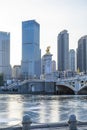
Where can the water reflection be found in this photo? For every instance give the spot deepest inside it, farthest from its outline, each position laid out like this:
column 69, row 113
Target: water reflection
column 14, row 110
column 42, row 109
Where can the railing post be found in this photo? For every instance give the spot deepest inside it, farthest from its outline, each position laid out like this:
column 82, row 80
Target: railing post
column 26, row 122
column 72, row 122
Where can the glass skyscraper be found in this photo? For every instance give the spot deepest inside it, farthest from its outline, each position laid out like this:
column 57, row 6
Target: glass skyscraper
column 31, row 53
column 5, row 67
column 72, row 60
column 63, row 51
column 82, row 54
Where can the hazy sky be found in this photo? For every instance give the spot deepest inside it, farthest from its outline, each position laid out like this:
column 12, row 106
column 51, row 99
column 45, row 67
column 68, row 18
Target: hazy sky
column 53, row 17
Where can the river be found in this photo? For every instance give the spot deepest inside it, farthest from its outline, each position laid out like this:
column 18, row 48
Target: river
column 41, row 108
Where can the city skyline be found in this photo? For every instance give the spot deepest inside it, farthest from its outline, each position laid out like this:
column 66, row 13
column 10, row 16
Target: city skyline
column 53, row 17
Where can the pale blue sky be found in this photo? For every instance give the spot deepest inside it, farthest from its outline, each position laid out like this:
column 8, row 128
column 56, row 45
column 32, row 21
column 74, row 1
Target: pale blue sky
column 53, row 17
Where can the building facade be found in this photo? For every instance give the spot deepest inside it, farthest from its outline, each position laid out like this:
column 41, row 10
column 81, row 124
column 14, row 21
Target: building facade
column 63, row 51
column 53, row 66
column 31, row 53
column 5, row 67
column 82, row 54
column 16, row 72
column 72, row 60
column 47, row 64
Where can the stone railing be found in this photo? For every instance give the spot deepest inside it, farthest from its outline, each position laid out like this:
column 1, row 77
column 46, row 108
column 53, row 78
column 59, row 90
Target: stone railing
column 26, row 124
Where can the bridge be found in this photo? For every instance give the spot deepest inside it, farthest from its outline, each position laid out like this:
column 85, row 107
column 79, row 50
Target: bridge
column 72, row 85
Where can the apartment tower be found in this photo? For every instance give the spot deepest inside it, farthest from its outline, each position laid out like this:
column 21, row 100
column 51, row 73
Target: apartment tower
column 82, row 54
column 63, row 51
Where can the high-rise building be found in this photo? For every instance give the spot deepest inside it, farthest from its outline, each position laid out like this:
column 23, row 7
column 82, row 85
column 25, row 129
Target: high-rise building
column 53, row 66
column 72, row 60
column 63, row 51
column 5, row 67
column 31, row 53
column 82, row 54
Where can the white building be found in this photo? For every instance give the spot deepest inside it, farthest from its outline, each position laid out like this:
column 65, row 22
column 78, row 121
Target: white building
column 47, row 62
column 16, row 71
column 5, row 68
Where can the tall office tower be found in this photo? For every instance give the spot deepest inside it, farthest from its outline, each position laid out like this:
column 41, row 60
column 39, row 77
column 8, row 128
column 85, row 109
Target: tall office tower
column 82, row 54
column 5, row 68
column 31, row 53
column 72, row 60
column 63, row 51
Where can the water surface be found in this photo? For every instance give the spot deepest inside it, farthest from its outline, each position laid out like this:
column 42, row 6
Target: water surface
column 41, row 108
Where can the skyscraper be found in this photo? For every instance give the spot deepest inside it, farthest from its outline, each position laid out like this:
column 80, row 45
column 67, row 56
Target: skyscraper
column 31, row 53
column 5, row 68
column 72, row 60
column 63, row 51
column 53, row 66
column 82, row 54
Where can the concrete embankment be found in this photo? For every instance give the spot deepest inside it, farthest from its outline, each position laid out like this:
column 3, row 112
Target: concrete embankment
column 31, row 87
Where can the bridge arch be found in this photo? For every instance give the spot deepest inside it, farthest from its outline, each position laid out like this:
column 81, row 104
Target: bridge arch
column 83, row 90
column 64, row 89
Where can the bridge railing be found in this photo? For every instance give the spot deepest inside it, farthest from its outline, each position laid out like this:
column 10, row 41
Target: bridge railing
column 71, row 124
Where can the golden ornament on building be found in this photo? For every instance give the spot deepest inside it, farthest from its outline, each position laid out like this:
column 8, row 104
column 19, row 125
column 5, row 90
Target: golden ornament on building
column 48, row 50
